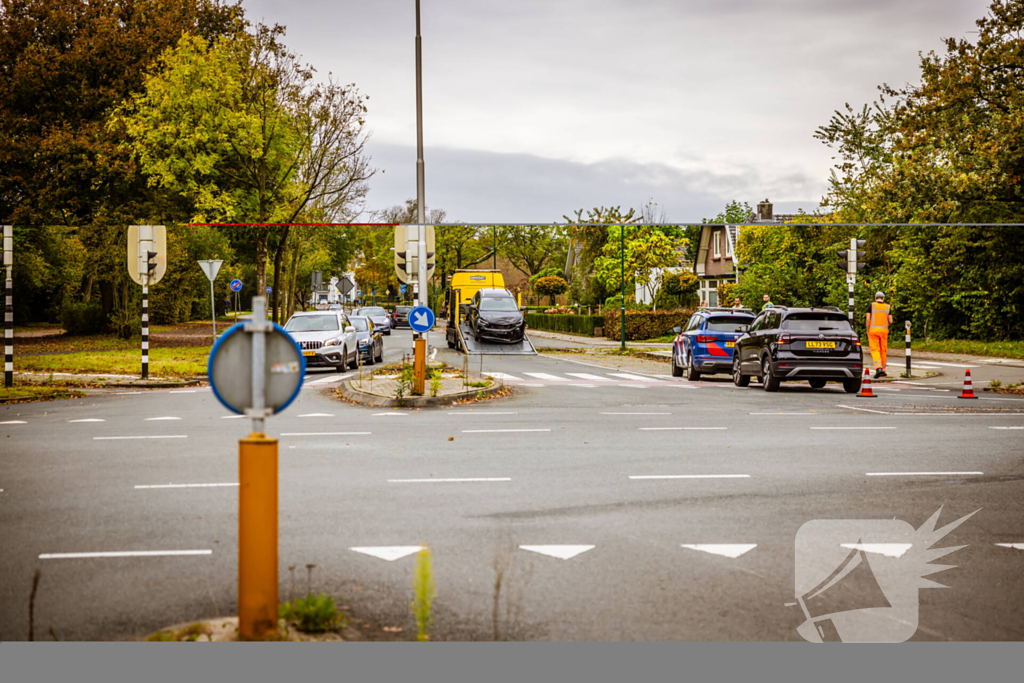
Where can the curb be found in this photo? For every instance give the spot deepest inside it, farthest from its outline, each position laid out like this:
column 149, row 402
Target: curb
column 109, row 382
column 368, row 399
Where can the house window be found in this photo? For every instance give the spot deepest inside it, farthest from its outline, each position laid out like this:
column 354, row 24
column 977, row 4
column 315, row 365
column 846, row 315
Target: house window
column 718, row 243
column 728, row 247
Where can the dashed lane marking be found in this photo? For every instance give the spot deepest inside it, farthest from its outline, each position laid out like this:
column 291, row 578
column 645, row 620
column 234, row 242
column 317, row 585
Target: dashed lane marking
column 128, row 438
column 730, row 550
column 453, row 480
column 159, row 419
column 232, row 417
column 922, row 474
column 673, row 429
column 833, row 428
column 784, row 413
column 325, row 433
column 184, row 486
column 483, row 412
column 690, row 476
column 130, row 393
column 130, row 553
column 317, row 415
column 14, row 422
column 88, row 419
column 636, row 413
column 562, row 552
column 1006, row 427
column 490, row 431
column 395, row 414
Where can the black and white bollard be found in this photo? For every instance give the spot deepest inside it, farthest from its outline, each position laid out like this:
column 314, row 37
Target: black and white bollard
column 908, row 348
column 849, row 283
column 9, row 307
column 145, row 332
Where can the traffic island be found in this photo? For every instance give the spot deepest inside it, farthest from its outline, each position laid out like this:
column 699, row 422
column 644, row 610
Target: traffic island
column 225, row 630
column 391, row 387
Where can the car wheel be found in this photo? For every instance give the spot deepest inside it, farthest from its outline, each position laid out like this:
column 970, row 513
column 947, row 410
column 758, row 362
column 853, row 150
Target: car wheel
column 354, row 363
column 370, row 359
column 691, row 372
column 676, row 370
column 738, row 378
column 380, row 353
column 851, row 386
column 768, row 378
column 817, row 383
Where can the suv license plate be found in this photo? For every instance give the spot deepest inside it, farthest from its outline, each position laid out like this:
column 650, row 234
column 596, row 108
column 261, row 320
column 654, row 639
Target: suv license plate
column 821, row 345
column 309, row 353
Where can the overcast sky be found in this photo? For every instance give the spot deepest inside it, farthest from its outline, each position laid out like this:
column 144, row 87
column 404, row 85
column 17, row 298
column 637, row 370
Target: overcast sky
column 535, row 108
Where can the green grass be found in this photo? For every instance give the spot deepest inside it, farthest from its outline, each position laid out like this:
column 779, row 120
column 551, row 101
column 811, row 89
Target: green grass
column 995, row 349
column 38, row 393
column 180, row 362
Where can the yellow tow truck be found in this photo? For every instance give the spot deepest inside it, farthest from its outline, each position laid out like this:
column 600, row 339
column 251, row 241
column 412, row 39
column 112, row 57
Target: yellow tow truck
column 462, row 288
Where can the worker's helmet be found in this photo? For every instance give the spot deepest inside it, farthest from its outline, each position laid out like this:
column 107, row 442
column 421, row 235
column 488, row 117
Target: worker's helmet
column 880, row 295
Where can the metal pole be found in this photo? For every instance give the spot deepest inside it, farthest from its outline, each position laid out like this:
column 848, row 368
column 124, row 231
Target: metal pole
column 622, row 283
column 421, row 211
column 908, row 348
column 145, row 327
column 849, row 284
column 213, row 313
column 9, row 307
column 259, row 355
column 495, row 261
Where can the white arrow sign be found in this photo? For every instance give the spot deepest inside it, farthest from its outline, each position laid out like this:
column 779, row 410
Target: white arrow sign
column 389, row 552
column 421, row 320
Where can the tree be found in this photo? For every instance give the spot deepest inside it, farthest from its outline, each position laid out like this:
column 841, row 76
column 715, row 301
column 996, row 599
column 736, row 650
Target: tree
column 532, row 248
column 648, row 251
column 243, row 133
column 550, row 286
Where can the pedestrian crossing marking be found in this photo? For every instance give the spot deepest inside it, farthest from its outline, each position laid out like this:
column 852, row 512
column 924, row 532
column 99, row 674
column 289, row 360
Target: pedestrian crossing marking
column 588, row 377
column 544, row 375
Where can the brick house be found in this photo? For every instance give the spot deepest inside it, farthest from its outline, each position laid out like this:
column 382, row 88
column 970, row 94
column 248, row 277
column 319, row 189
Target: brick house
column 716, row 255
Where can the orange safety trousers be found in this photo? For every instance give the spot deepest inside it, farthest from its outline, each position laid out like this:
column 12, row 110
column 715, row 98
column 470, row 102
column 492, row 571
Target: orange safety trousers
column 879, row 342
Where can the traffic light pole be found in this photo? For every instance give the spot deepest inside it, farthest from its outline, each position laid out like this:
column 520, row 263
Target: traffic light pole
column 9, row 307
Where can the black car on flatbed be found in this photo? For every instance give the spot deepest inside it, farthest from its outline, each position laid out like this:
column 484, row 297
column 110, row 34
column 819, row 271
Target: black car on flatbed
column 494, row 315
column 816, row 345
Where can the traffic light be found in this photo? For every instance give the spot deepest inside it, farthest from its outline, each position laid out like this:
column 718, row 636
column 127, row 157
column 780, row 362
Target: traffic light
column 147, row 253
column 853, row 259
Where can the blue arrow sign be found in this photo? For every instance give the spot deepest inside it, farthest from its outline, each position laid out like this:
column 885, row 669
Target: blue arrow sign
column 421, row 319
column 401, row 288
column 236, row 285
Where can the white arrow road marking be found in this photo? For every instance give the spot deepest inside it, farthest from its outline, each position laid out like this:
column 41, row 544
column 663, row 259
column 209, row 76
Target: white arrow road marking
column 389, row 552
column 918, row 474
column 14, row 422
column 1015, row 546
column 88, row 419
column 690, row 476
column 562, row 552
column 183, row 486
column 732, row 550
column 887, row 549
column 316, row 415
column 158, row 419
column 133, row 553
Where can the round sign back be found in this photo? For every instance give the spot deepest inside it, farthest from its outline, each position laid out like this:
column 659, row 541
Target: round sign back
column 230, row 369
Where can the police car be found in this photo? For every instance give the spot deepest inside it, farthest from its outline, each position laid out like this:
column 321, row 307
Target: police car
column 705, row 346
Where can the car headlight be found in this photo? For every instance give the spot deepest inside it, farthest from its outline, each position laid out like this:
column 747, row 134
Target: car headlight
column 364, row 342
column 331, row 342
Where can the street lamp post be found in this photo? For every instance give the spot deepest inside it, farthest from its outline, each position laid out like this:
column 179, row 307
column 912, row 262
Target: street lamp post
column 622, row 284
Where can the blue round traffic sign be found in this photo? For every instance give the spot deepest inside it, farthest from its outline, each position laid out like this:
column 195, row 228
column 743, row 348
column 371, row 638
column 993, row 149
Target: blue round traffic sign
column 269, row 290
column 421, row 319
column 236, row 285
column 229, row 369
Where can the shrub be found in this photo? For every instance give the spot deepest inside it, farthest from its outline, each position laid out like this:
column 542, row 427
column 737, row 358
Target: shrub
column 560, row 310
column 546, row 272
column 83, row 318
column 574, row 324
column 550, row 286
column 644, row 324
column 314, row 613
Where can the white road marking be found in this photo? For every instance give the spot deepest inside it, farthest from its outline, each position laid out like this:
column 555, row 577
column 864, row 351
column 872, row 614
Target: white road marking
column 635, row 378
column 158, row 419
column 329, row 380
column 130, row 393
column 636, row 413
column 690, row 476
column 546, row 376
column 587, row 376
column 887, row 549
column 182, row 486
column 501, row 375
column 585, row 386
column 88, row 419
column 489, row 431
column 525, row 384
column 395, row 414
column 389, row 552
column 1006, row 427
column 562, row 552
column 483, row 412
column 731, row 550
column 127, row 438
column 447, row 481
column 670, row 429
column 317, row 415
column 182, row 391
column 866, row 410
column 784, row 413
column 919, row 474
column 232, row 417
column 325, row 433
column 130, row 553
column 14, row 422
column 1014, row 546
column 819, row 428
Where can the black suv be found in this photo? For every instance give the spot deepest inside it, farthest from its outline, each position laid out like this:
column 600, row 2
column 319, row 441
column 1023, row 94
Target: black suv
column 400, row 318
column 495, row 315
column 793, row 344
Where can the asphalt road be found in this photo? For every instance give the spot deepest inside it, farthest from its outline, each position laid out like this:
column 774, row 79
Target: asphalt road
column 607, row 475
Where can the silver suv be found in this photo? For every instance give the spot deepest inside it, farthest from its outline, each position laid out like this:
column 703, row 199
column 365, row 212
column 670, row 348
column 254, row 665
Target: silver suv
column 327, row 338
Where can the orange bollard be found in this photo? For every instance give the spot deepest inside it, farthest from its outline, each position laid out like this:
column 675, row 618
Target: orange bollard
column 968, row 390
column 865, row 385
column 420, row 367
column 257, row 537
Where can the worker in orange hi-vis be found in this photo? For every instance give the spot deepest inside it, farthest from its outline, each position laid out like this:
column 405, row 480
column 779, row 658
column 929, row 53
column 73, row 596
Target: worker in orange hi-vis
column 878, row 321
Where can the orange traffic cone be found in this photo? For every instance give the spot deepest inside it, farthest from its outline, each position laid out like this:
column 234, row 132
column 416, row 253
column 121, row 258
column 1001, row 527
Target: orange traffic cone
column 865, row 385
column 968, row 391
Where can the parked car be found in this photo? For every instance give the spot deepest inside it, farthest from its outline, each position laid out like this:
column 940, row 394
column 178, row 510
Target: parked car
column 378, row 315
column 400, row 318
column 705, row 346
column 793, row 344
column 371, row 340
column 495, row 315
column 327, row 338
column 335, row 307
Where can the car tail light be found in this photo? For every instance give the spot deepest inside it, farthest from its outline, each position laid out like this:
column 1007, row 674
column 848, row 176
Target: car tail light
column 783, row 365
column 784, row 338
column 704, row 339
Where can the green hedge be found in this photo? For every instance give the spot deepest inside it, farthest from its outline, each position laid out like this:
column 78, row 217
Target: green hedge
column 83, row 318
column 644, row 324
column 574, row 324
